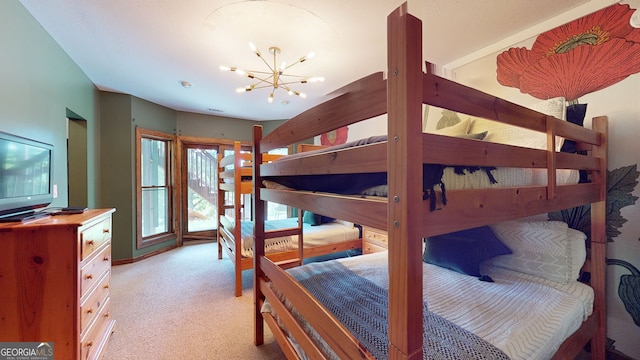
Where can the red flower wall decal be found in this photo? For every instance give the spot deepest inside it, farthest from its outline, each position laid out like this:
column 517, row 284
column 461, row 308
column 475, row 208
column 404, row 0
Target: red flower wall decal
column 580, row 57
column 335, row 137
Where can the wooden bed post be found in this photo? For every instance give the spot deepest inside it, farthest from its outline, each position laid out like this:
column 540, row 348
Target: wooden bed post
column 599, row 242
column 258, row 242
column 404, row 106
column 237, row 209
column 220, row 198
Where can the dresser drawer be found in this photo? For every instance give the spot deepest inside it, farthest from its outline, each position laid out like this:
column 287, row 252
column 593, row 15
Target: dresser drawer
column 91, row 306
column 375, row 236
column 91, row 272
column 368, row 248
column 93, row 341
column 92, row 237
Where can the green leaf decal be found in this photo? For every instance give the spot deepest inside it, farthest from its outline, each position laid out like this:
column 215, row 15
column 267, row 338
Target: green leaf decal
column 620, row 185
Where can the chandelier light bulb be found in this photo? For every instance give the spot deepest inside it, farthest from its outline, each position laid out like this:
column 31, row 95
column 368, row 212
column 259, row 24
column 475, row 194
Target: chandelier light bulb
column 270, row 98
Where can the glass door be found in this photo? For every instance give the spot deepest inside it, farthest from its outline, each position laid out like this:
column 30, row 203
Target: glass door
column 199, row 190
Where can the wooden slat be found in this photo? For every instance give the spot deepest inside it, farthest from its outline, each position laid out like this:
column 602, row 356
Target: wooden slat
column 286, row 347
column 572, row 346
column 341, row 341
column 271, row 234
column 453, row 96
column 460, row 152
column 290, row 324
column 472, row 208
column 368, row 159
column 348, row 208
column 366, row 99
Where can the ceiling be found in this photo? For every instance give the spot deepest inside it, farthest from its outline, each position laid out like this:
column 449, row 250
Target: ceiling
column 146, row 48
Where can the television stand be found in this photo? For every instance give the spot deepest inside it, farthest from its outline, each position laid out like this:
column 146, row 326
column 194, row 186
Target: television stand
column 25, row 218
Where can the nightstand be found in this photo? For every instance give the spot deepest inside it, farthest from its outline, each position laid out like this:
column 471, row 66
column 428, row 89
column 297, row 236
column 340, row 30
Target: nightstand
column 374, row 240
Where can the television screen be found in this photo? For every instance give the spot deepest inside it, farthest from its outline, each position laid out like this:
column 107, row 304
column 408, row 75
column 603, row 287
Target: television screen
column 25, row 174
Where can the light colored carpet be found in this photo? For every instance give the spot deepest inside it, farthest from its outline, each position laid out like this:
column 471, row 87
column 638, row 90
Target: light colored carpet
column 181, row 305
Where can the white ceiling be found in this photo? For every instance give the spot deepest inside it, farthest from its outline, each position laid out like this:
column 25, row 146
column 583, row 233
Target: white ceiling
column 146, row 48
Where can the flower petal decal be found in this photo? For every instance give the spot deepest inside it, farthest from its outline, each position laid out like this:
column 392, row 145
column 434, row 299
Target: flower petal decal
column 335, row 137
column 583, row 56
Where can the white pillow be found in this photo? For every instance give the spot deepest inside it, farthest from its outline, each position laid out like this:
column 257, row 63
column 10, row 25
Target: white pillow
column 547, row 249
column 461, row 128
column 514, row 135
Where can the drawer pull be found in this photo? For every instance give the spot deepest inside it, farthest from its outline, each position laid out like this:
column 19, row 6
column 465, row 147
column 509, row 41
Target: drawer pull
column 90, row 311
column 107, row 314
column 106, row 231
column 89, row 276
column 89, row 242
column 106, row 258
column 106, row 286
column 89, row 344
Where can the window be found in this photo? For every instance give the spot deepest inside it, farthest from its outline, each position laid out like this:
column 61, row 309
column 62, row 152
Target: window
column 154, row 191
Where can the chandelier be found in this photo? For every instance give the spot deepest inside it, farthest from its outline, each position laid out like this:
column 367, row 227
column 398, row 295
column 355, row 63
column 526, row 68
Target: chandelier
column 275, row 78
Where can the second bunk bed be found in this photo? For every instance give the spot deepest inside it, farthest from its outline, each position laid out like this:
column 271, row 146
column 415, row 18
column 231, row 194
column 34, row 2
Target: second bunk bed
column 322, row 235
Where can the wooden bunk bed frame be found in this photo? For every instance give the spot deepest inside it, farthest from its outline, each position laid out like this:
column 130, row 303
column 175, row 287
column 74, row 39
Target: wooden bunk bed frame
column 230, row 181
column 401, row 96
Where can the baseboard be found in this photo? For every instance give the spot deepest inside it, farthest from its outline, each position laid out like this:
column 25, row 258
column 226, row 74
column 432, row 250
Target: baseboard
column 142, row 257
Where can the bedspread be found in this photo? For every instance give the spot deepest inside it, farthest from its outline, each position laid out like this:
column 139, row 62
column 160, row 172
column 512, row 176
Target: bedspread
column 525, row 316
column 329, row 233
column 362, row 307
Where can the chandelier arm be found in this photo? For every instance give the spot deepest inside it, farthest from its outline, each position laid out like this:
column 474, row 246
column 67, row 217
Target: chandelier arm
column 295, row 76
column 290, row 65
column 292, row 82
column 257, row 72
column 266, row 80
column 269, row 66
column 262, row 86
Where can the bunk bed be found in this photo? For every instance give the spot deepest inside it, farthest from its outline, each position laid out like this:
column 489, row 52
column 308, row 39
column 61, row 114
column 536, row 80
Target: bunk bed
column 298, row 318
column 234, row 182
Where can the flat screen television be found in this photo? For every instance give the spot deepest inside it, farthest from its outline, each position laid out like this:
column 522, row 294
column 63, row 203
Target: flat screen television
column 26, row 182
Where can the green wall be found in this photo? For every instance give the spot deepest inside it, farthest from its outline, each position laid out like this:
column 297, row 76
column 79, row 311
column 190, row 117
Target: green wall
column 41, row 86
column 219, row 127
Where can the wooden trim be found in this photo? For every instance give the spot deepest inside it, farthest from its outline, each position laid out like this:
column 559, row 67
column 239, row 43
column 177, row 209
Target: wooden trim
column 172, row 181
column 145, row 256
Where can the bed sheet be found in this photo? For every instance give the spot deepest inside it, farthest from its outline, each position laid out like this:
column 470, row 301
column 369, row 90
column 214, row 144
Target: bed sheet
column 525, row 316
column 329, row 233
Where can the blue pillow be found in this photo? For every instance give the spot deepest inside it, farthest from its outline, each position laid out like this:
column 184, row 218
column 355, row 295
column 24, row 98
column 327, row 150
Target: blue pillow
column 463, row 251
column 314, row 219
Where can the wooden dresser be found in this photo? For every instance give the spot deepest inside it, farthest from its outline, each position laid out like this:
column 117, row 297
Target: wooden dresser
column 54, row 283
column 374, row 240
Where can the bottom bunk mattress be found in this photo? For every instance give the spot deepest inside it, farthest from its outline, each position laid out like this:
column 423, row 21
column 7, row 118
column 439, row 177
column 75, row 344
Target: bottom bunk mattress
column 327, row 233
column 523, row 316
